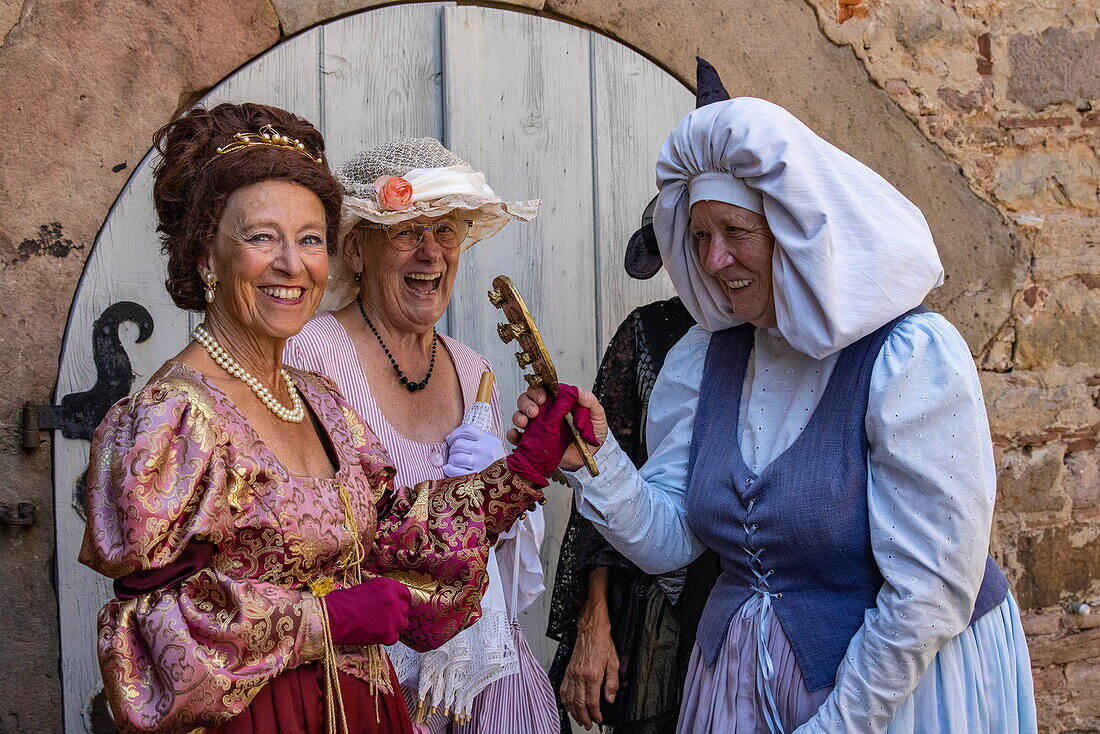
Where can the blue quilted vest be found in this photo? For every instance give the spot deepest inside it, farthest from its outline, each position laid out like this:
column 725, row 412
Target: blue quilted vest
column 799, row 531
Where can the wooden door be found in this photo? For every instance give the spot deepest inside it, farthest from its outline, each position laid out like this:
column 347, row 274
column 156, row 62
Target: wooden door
column 545, row 109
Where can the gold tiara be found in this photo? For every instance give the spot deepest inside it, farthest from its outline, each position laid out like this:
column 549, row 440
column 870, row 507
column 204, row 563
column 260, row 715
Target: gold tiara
column 267, row 136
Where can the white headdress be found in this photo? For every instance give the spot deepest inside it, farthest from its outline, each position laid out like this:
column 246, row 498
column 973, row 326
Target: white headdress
column 441, row 183
column 851, row 253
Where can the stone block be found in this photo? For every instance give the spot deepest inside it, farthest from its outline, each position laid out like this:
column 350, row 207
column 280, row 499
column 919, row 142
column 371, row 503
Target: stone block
column 1030, row 481
column 1051, row 701
column 1047, row 179
column 1050, row 333
column 1082, row 484
column 1044, row 623
column 1063, row 245
column 1032, row 407
column 985, row 55
column 9, row 16
column 1049, row 682
column 1089, row 621
column 1057, row 65
column 958, row 101
column 1068, row 649
column 897, row 87
column 1083, row 684
column 295, row 15
column 919, row 24
column 998, row 353
column 1015, row 123
column 1058, row 564
column 933, row 35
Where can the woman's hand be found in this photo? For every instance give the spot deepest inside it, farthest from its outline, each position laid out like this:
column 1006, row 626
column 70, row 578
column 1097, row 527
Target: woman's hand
column 471, row 450
column 594, row 666
column 588, row 410
column 374, row 612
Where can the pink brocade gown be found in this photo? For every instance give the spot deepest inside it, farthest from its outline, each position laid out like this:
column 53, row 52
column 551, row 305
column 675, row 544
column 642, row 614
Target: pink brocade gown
column 293, row 703
column 212, row 543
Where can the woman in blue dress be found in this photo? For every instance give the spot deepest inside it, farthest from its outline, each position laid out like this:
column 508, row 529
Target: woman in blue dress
column 826, row 435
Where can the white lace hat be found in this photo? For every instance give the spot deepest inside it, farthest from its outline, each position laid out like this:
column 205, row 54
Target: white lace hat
column 408, row 178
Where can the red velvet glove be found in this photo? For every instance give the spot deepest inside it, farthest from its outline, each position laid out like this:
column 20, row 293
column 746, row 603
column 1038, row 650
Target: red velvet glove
column 547, row 436
column 374, row 612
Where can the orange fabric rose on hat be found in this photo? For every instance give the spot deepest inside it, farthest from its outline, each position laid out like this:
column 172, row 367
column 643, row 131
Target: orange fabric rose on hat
column 394, row 192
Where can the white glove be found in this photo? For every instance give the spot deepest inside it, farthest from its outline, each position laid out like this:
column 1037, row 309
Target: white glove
column 471, row 450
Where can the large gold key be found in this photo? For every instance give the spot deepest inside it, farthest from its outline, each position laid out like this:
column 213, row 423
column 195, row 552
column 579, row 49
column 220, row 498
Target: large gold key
column 521, row 328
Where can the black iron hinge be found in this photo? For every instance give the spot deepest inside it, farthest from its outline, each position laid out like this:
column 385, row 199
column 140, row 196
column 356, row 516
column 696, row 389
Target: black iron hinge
column 80, row 413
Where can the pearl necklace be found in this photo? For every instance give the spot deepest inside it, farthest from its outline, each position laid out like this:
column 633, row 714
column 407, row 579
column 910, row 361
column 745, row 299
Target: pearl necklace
column 233, row 367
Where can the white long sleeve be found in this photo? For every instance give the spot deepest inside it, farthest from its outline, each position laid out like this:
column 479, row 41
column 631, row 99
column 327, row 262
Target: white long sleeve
column 931, row 488
column 642, row 513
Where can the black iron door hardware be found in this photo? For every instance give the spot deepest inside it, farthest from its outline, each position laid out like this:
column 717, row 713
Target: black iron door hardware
column 21, row 514
column 80, row 413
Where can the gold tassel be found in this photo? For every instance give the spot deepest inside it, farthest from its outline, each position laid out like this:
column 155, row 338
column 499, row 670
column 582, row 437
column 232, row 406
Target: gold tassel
column 378, row 670
column 353, row 561
column 334, row 700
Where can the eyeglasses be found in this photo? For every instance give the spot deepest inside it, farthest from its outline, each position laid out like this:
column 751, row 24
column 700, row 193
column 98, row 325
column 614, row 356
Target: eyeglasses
column 447, row 233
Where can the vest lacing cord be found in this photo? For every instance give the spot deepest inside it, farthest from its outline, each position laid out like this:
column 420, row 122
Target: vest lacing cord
column 765, row 669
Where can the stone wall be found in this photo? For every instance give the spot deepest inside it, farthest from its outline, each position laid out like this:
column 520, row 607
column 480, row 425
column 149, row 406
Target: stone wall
column 980, row 110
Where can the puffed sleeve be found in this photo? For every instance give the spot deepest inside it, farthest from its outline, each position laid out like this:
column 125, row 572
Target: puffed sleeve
column 435, row 537
column 643, row 513
column 931, row 487
column 188, row 646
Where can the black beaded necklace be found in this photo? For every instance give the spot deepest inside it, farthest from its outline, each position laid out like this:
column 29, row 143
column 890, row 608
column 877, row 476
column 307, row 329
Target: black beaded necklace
column 410, row 386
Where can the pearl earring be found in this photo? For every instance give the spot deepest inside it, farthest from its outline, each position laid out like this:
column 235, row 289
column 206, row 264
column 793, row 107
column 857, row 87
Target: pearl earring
column 210, row 286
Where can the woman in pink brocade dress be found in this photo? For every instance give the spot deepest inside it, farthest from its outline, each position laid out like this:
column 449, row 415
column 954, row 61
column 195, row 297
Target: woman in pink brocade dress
column 248, row 517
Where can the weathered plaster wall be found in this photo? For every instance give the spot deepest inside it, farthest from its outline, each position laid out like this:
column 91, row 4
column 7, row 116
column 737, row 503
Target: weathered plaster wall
column 920, row 90
column 84, row 85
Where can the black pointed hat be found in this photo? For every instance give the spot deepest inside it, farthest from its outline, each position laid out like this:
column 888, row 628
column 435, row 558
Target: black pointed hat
column 643, row 258
column 708, row 85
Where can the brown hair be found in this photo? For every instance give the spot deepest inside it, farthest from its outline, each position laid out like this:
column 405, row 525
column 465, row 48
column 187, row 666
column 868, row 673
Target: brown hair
column 191, row 182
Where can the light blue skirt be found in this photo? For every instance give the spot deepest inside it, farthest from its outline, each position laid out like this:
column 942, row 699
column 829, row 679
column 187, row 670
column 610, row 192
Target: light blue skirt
column 979, row 683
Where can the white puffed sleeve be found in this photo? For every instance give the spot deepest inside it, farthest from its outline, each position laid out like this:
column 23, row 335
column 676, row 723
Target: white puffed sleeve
column 931, row 486
column 643, row 513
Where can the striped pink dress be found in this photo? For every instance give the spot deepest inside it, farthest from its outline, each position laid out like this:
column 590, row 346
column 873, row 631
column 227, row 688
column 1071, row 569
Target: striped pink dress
column 518, row 703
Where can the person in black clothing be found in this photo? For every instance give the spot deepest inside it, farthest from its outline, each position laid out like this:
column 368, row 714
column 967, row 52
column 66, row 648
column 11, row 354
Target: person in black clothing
column 628, row 675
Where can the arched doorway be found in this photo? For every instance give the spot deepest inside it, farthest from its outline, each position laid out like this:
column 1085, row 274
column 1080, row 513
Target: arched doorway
column 546, row 109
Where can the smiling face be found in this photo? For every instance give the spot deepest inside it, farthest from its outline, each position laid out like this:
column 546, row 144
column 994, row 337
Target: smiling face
column 735, row 246
column 270, row 260
column 408, row 289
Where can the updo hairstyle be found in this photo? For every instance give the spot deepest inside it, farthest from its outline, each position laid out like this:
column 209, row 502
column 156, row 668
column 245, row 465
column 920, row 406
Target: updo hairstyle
column 191, row 183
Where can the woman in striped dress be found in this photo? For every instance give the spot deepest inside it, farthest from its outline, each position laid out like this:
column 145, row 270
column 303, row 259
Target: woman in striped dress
column 411, row 207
